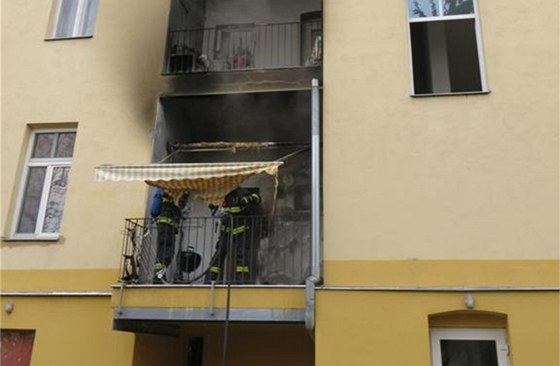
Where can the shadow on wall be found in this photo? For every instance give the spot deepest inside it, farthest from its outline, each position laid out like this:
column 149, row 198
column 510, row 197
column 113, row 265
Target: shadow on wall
column 137, row 54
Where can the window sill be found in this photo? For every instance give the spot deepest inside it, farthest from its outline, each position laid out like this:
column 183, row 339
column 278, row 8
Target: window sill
column 31, row 238
column 450, row 94
column 67, row 38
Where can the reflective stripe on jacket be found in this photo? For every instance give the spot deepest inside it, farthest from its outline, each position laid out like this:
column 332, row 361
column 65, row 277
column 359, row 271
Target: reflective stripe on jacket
column 236, row 230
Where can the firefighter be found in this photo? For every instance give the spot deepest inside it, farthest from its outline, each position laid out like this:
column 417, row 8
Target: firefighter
column 167, row 216
column 239, row 206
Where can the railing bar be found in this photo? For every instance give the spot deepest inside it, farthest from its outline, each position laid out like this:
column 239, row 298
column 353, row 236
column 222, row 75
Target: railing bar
column 284, row 48
column 182, row 56
column 275, row 45
column 279, row 46
column 270, row 60
column 187, row 244
column 204, row 232
column 139, row 252
column 291, row 60
column 272, row 45
column 255, row 240
column 242, row 60
column 287, row 43
column 204, row 44
column 194, row 245
column 264, row 51
column 283, row 258
column 124, row 246
column 293, row 44
column 284, row 41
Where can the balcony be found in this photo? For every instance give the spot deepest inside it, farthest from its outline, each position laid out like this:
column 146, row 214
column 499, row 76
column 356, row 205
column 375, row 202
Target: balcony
column 214, row 131
column 276, row 251
column 241, row 47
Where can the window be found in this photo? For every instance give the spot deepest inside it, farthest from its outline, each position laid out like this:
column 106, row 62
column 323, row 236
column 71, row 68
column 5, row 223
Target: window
column 469, row 347
column 446, row 47
column 72, row 19
column 45, row 179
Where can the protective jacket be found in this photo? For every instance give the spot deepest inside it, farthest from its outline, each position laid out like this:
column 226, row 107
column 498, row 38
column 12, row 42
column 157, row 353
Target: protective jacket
column 240, row 202
column 164, row 209
column 239, row 205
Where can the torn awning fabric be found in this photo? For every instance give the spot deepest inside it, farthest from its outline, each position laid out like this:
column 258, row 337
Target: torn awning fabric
column 210, row 181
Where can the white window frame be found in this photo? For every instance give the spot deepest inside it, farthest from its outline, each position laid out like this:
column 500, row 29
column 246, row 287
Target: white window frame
column 50, row 164
column 479, row 46
column 476, row 334
column 80, row 20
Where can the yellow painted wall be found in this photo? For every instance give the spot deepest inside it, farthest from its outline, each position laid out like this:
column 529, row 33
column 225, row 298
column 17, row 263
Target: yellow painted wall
column 70, row 330
column 108, row 85
column 389, row 328
column 482, row 273
column 58, row 280
column 456, row 177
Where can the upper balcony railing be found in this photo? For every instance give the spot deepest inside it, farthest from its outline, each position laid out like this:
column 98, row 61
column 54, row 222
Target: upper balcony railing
column 275, row 252
column 244, row 47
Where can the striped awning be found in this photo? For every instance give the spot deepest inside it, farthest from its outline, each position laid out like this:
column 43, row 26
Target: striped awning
column 210, row 181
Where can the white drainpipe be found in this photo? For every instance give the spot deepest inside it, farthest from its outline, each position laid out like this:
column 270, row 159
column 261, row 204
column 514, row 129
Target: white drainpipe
column 316, row 254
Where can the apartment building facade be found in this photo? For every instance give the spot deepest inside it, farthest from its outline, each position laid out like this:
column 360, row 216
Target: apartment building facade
column 405, row 154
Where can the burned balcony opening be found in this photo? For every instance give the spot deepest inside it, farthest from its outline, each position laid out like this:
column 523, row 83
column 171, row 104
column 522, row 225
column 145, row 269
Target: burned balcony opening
column 280, row 118
column 238, row 35
column 246, row 128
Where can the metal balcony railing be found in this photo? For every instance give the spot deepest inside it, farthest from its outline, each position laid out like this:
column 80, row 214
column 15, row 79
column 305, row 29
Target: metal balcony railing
column 244, row 47
column 274, row 251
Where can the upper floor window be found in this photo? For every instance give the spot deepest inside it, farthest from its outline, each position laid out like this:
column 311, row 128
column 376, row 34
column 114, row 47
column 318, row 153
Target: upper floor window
column 45, row 179
column 446, row 47
column 72, row 19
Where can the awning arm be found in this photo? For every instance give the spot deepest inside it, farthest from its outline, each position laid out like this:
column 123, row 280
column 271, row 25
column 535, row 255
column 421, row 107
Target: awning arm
column 286, row 157
column 168, row 156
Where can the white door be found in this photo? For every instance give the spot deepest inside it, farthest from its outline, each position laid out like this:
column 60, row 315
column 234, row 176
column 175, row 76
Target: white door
column 469, row 347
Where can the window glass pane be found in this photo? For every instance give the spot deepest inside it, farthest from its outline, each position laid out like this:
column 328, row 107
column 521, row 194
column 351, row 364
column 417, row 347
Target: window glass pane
column 445, row 57
column 65, row 145
column 55, row 204
column 462, row 56
column 456, row 7
column 423, row 8
column 31, row 200
column 89, row 16
column 66, row 18
column 43, row 145
column 468, row 353
column 72, row 18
